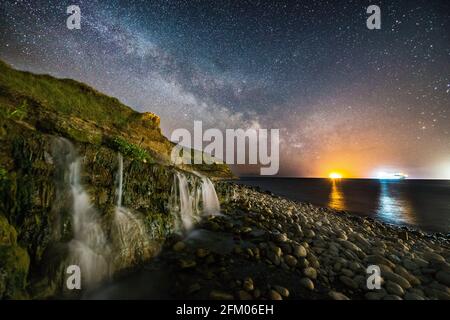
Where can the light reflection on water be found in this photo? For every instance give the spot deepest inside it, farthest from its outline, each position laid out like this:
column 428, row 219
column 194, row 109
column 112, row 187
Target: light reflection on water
column 337, row 200
column 419, row 203
column 393, row 206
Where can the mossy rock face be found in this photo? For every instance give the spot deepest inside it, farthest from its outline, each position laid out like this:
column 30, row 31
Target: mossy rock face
column 36, row 200
column 14, row 265
column 159, row 225
column 8, row 235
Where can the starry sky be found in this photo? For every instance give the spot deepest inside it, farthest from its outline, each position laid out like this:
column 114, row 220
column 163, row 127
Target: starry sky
column 344, row 97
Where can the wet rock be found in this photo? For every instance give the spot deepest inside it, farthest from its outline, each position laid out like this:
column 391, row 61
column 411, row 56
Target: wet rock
column 410, row 265
column 243, row 295
column 436, row 293
column 290, row 260
column 347, row 272
column 348, row 282
column 310, row 273
column 403, row 235
column 277, row 251
column 302, row 263
column 299, row 251
column 298, row 229
column 194, row 288
column 185, row 264
column 256, row 253
column 246, row 230
column 286, row 248
column 413, row 280
column 309, row 233
column 421, row 262
column 248, row 284
column 417, row 291
column 375, row 295
column 392, row 297
column 341, row 235
column 313, row 261
column 214, row 226
column 249, row 252
column 334, row 295
column 220, row 295
column 443, row 277
column 377, row 260
column 350, row 245
column 402, row 282
column 179, row 246
column 337, row 266
column 394, row 288
column 210, row 259
column 201, row 253
column 273, row 295
column 361, row 240
column 274, row 258
column 354, row 266
column 281, row 237
column 307, row 283
column 431, row 256
column 413, row 296
column 281, row 290
column 438, row 286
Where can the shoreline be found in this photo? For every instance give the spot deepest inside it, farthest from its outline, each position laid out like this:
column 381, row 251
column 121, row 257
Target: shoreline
column 267, row 247
column 367, row 215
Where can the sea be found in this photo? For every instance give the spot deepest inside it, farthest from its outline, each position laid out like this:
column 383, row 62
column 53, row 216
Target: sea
column 420, row 204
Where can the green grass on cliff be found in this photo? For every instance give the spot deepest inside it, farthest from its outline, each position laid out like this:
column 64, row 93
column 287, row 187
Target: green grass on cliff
column 130, row 150
column 65, row 96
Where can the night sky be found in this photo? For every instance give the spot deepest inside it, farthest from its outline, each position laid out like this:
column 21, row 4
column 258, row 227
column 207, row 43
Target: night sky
column 345, row 98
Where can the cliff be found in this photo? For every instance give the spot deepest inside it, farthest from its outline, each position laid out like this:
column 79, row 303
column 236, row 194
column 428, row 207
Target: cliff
column 61, row 148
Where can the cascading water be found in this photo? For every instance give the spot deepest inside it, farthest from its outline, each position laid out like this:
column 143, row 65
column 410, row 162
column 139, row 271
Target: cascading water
column 185, row 203
column 211, row 205
column 88, row 249
column 130, row 235
column 119, row 189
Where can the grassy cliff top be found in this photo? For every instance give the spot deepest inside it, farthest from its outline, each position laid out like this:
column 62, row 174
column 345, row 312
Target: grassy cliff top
column 81, row 113
column 65, row 96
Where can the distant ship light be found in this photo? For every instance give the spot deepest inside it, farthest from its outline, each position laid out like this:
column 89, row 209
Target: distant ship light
column 391, row 176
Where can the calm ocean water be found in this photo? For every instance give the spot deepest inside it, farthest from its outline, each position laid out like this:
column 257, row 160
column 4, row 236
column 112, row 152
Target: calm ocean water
column 422, row 204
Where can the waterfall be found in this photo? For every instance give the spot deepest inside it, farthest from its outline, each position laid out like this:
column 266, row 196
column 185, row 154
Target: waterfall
column 182, row 203
column 211, row 204
column 88, row 249
column 129, row 233
column 120, row 184
column 210, row 201
column 185, row 203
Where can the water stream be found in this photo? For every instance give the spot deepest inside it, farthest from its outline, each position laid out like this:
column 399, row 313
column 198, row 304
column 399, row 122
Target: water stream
column 88, row 249
column 129, row 234
column 189, row 203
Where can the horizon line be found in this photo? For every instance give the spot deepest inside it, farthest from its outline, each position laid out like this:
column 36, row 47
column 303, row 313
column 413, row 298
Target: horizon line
column 344, row 178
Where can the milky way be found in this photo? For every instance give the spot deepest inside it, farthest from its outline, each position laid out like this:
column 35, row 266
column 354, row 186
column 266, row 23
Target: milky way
column 344, row 97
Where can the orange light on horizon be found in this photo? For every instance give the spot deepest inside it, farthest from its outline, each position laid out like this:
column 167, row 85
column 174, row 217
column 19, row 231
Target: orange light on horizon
column 335, row 175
